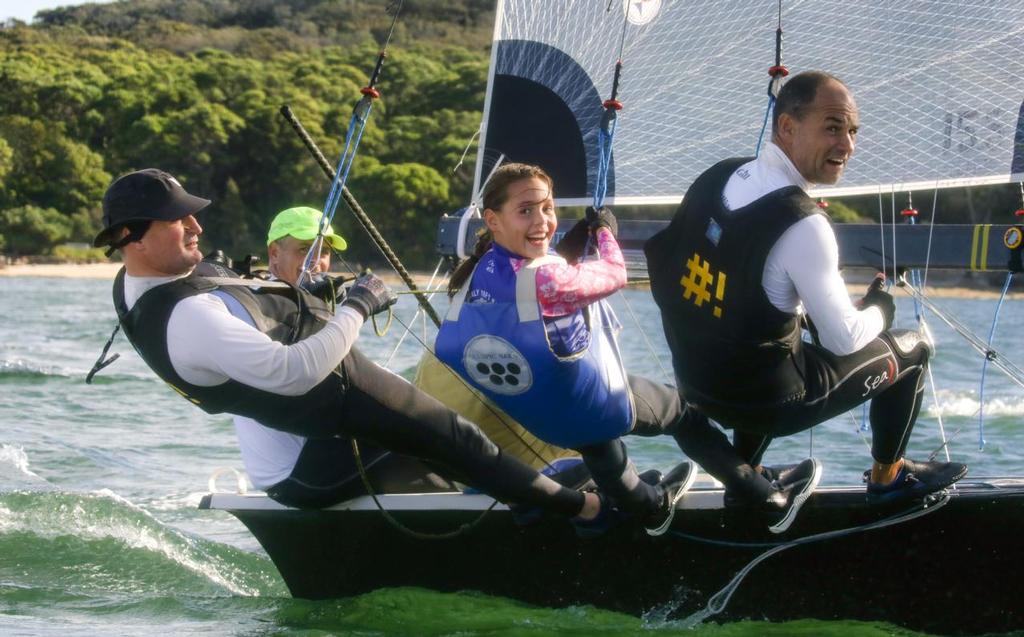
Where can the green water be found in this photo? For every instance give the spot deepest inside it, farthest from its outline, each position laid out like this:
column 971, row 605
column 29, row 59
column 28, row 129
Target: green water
column 99, row 485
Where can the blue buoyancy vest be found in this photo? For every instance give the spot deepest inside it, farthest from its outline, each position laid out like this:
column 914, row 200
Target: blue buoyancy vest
column 500, row 345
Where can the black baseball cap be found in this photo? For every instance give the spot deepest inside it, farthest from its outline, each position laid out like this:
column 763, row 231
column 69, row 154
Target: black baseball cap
column 144, row 195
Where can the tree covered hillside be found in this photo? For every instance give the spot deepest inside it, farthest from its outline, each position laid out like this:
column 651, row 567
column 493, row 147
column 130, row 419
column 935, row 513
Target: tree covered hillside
column 90, row 92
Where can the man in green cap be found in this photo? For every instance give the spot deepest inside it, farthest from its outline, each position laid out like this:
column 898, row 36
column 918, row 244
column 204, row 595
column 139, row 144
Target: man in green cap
column 291, row 234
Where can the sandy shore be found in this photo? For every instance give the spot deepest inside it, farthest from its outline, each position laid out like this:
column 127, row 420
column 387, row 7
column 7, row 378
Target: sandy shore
column 108, row 270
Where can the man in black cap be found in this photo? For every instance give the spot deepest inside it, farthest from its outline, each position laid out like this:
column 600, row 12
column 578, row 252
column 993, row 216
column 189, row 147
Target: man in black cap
column 272, row 352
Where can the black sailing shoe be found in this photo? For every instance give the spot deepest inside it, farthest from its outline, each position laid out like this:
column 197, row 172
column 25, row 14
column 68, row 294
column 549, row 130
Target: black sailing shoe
column 792, row 485
column 915, row 480
column 651, row 476
column 675, row 484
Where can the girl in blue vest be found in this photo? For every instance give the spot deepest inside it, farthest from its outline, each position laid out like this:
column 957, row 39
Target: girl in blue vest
column 532, row 332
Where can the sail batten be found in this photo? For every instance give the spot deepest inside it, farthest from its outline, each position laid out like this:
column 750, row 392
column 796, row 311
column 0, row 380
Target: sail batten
column 939, row 83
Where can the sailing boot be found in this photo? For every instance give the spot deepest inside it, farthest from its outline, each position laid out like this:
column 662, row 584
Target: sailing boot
column 791, row 485
column 674, row 486
column 915, row 480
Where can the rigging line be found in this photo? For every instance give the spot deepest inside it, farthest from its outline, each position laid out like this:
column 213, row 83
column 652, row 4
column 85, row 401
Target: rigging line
column 886, row 521
column 465, row 151
column 892, row 202
column 647, row 341
column 398, row 526
column 918, row 281
column 881, row 226
column 1012, row 372
column 860, row 429
column 606, row 128
column 353, row 136
column 360, row 214
column 419, row 310
column 488, row 407
column 984, row 364
column 938, row 417
column 777, row 72
column 483, row 402
column 945, row 445
column 931, row 231
column 717, row 602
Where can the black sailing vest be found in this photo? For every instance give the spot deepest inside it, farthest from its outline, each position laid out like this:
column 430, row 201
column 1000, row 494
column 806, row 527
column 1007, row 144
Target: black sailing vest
column 285, row 314
column 730, row 345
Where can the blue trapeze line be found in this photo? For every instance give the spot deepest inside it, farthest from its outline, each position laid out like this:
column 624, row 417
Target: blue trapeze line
column 764, row 124
column 604, row 160
column 984, row 364
column 353, row 136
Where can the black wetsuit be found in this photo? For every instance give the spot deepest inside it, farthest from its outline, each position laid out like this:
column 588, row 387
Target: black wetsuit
column 741, row 360
column 659, row 411
column 358, row 399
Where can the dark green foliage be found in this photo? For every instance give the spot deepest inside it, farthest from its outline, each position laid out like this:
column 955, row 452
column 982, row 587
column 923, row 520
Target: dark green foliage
column 90, row 92
column 32, row 230
column 194, row 86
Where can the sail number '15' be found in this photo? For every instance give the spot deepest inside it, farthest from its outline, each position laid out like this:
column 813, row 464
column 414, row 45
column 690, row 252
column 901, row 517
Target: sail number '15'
column 971, row 128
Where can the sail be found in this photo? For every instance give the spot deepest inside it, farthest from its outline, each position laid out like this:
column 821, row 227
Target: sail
column 939, row 84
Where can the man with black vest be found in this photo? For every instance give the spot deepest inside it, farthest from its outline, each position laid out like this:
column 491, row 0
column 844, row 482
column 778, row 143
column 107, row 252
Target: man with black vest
column 293, row 366
column 746, row 257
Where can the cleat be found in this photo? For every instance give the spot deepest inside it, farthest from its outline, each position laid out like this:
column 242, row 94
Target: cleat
column 675, row 484
column 915, row 480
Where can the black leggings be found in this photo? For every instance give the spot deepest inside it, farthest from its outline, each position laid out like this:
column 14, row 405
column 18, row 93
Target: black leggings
column 889, row 371
column 385, row 410
column 658, row 412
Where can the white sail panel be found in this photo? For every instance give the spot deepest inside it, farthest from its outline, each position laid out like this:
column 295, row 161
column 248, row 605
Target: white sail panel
column 939, row 83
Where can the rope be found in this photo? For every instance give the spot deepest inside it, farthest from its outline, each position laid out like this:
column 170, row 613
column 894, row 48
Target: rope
column 431, row 291
column 777, row 72
column 1012, row 372
column 643, row 333
column 360, row 215
column 984, row 364
column 417, row 535
column 353, row 135
column 918, row 279
column 606, row 131
column 717, row 602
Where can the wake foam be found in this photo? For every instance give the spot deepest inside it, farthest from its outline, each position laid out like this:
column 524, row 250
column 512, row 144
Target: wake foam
column 111, row 544
column 966, row 404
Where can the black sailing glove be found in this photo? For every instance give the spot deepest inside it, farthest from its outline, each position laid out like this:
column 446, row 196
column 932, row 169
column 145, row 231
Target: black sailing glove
column 881, row 299
column 369, row 295
column 602, row 218
column 574, row 242
column 327, row 288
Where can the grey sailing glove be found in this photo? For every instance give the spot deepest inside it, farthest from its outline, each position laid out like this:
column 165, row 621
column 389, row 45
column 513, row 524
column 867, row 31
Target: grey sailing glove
column 369, row 295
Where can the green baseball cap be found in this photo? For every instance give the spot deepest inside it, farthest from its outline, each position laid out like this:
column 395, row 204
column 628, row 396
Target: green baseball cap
column 302, row 223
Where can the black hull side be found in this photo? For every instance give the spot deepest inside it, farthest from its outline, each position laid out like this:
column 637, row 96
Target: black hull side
column 953, row 570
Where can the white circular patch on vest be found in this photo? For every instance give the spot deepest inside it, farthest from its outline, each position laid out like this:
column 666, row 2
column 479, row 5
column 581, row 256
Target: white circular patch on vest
column 496, row 365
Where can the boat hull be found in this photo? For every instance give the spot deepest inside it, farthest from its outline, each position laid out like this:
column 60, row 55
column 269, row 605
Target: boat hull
column 950, row 570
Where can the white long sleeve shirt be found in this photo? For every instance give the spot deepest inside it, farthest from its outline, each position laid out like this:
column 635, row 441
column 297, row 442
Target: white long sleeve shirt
column 801, row 272
column 208, row 346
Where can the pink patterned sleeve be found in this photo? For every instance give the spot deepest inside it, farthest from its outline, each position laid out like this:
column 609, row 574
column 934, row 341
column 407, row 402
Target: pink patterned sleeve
column 562, row 288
